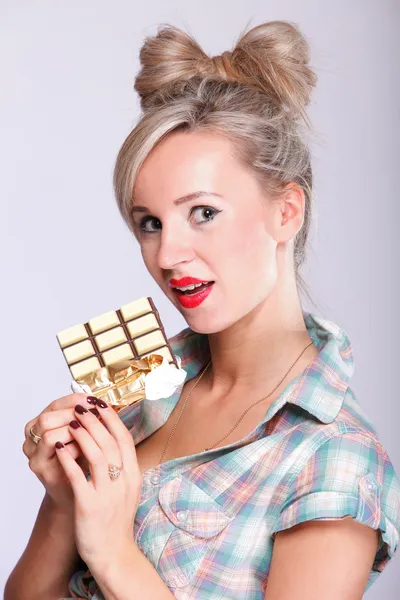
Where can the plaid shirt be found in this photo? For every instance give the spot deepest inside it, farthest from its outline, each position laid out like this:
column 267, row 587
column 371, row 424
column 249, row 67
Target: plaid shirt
column 207, row 521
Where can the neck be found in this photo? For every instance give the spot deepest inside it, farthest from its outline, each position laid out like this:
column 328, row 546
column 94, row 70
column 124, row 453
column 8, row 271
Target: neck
column 260, row 348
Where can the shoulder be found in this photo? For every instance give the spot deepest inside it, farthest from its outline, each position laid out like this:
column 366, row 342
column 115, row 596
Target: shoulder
column 335, row 558
column 349, row 474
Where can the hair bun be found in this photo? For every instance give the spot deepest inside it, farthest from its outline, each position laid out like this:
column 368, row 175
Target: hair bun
column 165, row 58
column 275, row 56
column 272, row 57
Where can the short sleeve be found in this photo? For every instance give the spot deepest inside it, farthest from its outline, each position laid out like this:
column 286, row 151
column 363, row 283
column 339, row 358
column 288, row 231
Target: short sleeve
column 82, row 586
column 76, row 588
column 348, row 475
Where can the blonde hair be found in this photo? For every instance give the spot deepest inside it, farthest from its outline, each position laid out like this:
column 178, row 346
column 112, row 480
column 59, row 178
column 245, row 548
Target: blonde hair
column 255, row 95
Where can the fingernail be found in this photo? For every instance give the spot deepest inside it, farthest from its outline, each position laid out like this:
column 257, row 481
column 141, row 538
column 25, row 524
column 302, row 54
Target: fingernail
column 91, row 399
column 59, row 445
column 80, row 409
column 101, row 403
column 74, row 424
column 94, row 411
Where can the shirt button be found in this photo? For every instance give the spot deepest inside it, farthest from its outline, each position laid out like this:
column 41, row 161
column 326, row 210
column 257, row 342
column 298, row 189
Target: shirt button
column 182, row 515
column 370, row 487
column 155, row 479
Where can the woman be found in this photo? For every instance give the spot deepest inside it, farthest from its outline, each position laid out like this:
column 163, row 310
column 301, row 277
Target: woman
column 262, row 477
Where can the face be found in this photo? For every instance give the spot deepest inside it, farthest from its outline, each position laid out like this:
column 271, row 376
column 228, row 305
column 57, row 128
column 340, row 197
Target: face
column 223, row 233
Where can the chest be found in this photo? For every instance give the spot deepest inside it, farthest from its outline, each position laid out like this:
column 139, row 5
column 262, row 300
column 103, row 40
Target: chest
column 186, row 532
column 208, row 422
column 202, row 425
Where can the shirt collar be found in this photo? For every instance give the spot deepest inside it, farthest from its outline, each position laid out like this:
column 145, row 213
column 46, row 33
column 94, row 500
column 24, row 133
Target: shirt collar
column 319, row 389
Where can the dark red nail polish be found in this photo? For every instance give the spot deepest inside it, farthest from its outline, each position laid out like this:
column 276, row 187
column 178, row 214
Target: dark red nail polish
column 80, row 409
column 101, row 403
column 92, row 399
column 94, row 411
column 74, row 424
column 59, row 445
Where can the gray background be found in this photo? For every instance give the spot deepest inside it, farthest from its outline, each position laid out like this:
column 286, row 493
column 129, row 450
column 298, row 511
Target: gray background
column 66, row 105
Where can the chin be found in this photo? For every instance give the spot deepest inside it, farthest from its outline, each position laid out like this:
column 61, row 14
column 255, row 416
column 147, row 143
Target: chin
column 212, row 320
column 207, row 324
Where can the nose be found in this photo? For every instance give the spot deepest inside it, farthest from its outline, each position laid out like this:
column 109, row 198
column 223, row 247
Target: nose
column 175, row 248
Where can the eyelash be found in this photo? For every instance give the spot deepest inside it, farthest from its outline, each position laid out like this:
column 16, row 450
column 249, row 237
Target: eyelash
column 143, row 222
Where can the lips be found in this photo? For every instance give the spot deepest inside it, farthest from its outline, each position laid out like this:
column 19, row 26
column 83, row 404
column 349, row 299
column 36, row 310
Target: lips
column 173, row 283
column 194, row 299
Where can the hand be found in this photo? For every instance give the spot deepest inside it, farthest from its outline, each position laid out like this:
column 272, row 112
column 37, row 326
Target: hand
column 52, row 425
column 105, row 508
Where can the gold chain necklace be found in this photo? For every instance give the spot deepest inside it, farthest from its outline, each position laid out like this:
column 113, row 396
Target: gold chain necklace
column 247, row 409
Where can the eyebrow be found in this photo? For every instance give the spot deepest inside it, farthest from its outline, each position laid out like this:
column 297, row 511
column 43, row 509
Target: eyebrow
column 187, row 198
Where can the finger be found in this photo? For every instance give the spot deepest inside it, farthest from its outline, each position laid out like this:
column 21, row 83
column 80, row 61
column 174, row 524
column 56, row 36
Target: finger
column 99, row 432
column 65, row 402
column 97, row 459
column 50, row 420
column 28, row 426
column 43, row 469
column 76, row 477
column 121, row 435
column 52, row 426
column 68, row 401
column 45, row 447
column 43, row 451
column 41, row 457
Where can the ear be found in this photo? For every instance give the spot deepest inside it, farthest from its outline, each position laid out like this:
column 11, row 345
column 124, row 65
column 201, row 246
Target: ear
column 288, row 212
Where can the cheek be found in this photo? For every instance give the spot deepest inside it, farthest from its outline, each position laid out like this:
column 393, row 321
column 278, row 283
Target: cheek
column 146, row 256
column 150, row 261
column 250, row 251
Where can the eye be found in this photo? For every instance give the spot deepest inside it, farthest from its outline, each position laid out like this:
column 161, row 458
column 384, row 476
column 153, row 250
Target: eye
column 208, row 212
column 147, row 223
column 143, row 222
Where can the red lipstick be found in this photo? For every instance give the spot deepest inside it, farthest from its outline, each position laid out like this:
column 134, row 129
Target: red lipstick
column 193, row 298
column 184, row 282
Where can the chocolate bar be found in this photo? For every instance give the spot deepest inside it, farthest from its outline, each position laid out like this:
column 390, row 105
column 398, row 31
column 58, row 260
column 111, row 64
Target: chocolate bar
column 133, row 331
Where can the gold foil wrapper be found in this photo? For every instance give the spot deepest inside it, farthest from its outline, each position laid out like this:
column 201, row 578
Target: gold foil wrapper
column 122, row 383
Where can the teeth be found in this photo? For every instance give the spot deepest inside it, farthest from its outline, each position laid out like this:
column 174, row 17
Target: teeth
column 189, row 287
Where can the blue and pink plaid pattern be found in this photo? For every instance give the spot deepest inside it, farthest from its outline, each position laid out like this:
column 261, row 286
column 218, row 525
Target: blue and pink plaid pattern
column 207, row 522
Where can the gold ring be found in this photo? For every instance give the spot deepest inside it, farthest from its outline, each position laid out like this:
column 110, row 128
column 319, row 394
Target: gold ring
column 35, row 438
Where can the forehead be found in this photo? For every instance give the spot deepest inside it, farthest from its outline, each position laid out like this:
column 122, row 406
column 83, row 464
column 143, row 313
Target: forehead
column 184, row 162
